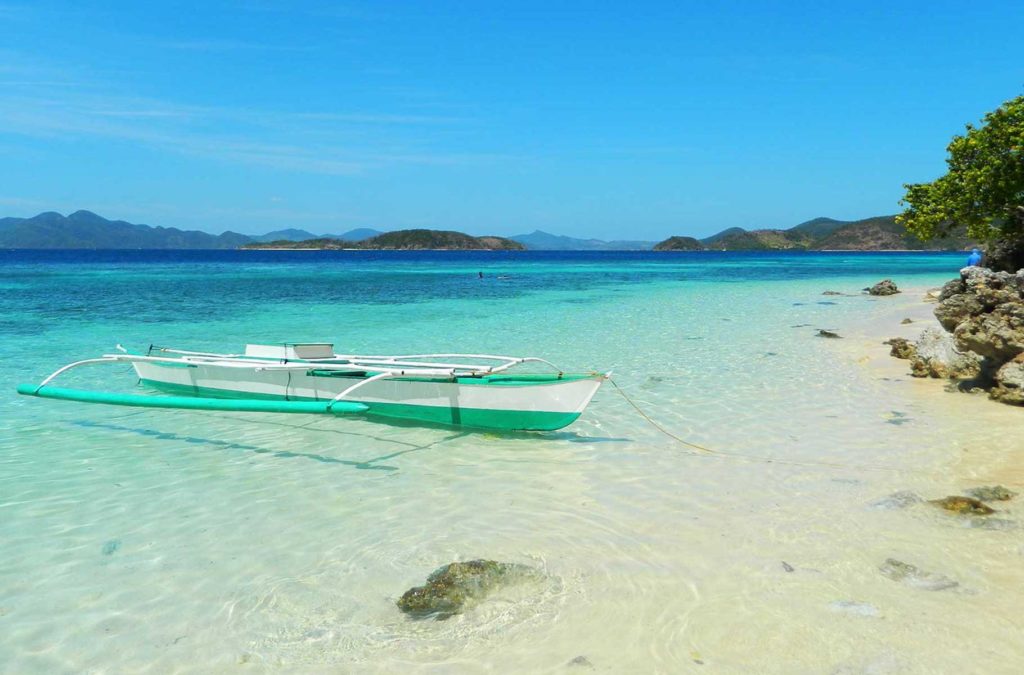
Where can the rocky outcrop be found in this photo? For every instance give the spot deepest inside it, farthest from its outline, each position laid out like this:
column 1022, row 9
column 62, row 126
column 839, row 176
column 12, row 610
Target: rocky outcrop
column 1009, row 387
column 984, row 311
column 884, row 287
column 1006, row 253
column 935, row 355
column 451, row 587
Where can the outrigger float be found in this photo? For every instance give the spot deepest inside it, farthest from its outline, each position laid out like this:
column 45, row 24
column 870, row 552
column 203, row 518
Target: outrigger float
column 461, row 390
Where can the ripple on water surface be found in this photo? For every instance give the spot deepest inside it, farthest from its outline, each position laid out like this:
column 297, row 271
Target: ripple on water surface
column 156, row 541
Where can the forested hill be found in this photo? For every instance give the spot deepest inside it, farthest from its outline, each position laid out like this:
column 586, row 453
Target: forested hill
column 403, row 240
column 85, row 229
column 881, row 233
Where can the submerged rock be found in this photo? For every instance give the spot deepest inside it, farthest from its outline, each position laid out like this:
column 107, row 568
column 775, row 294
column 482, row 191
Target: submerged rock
column 831, row 293
column 963, row 505
column 991, row 493
column 989, row 523
column 906, row 321
column 910, row 575
column 898, row 500
column 828, row 334
column 581, row 661
column 853, row 607
column 902, row 348
column 450, row 587
column 936, row 355
column 884, row 287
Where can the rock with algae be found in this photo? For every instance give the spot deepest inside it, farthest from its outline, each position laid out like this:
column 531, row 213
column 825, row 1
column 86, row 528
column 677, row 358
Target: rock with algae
column 902, row 348
column 884, row 287
column 963, row 505
column 451, row 587
column 991, row 493
column 911, row 575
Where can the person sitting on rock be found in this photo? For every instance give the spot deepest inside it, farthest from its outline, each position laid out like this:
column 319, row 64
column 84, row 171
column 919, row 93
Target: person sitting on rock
column 974, row 260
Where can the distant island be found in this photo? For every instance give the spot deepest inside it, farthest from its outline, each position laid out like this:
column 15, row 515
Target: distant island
column 402, row 240
column 87, row 230
column 543, row 241
column 679, row 244
column 881, row 233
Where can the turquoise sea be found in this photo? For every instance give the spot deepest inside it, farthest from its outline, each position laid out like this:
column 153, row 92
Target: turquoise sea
column 174, row 541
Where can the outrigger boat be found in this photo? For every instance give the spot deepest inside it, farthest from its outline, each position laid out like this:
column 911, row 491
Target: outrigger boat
column 462, row 390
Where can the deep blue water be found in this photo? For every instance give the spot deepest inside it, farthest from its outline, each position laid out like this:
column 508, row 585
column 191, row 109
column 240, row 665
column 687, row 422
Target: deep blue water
column 149, row 286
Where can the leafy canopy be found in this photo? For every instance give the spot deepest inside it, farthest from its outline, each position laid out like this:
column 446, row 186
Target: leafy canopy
column 984, row 187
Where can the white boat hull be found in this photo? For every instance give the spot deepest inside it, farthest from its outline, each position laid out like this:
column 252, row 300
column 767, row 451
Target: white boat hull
column 511, row 402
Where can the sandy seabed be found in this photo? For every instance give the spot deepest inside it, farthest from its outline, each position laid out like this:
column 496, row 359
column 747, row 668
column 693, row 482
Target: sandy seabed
column 172, row 542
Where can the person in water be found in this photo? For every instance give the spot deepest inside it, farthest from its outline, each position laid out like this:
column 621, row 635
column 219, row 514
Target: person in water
column 974, row 260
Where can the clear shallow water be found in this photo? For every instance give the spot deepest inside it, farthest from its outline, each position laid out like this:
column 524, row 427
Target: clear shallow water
column 173, row 541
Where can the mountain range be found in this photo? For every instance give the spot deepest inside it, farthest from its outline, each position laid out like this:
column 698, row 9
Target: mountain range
column 84, row 229
column 880, row 233
column 291, row 234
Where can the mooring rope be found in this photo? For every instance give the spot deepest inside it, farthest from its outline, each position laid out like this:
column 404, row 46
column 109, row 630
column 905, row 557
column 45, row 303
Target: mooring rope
column 625, row 396
column 705, row 451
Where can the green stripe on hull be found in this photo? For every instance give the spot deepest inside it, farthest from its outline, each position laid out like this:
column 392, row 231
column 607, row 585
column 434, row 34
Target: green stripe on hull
column 478, row 418
column 190, row 402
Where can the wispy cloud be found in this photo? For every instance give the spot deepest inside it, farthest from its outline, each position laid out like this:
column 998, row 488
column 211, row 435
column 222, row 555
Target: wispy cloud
column 314, row 142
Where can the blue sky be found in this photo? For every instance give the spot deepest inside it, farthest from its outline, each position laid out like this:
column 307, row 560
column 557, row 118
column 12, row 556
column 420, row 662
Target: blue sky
column 614, row 120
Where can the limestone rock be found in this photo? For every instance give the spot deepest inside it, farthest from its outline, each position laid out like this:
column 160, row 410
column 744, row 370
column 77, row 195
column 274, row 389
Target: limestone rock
column 1009, row 386
column 992, row 493
column 1006, row 253
column 884, row 287
column 907, row 321
column 997, row 333
column 828, row 334
column 451, row 587
column 963, row 505
column 984, row 310
column 935, row 355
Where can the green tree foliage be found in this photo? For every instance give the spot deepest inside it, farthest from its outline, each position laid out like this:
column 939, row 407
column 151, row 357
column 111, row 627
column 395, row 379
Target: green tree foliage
column 984, row 187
